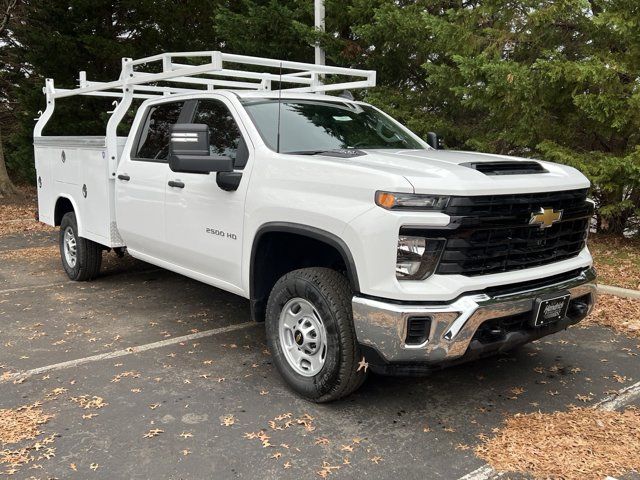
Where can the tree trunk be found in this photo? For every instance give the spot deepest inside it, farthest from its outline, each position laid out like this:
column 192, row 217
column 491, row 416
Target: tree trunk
column 617, row 223
column 7, row 189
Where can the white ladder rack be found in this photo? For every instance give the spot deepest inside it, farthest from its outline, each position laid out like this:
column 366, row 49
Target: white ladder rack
column 214, row 73
column 139, row 79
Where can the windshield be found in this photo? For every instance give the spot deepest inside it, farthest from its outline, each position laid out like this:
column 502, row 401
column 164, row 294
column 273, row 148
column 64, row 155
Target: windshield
column 308, row 126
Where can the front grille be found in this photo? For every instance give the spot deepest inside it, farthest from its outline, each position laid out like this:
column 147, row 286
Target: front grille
column 518, row 207
column 502, row 290
column 492, row 234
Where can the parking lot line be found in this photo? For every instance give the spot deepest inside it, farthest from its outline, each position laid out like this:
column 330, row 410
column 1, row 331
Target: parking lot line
column 483, row 473
column 59, row 284
column 33, row 287
column 613, row 402
column 126, row 351
column 620, row 399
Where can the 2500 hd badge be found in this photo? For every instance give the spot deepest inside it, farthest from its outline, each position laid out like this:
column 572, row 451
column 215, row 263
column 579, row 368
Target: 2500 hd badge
column 221, row 233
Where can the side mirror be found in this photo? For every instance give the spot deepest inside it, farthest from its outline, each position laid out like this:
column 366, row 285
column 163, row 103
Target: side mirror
column 229, row 181
column 189, row 150
column 435, row 141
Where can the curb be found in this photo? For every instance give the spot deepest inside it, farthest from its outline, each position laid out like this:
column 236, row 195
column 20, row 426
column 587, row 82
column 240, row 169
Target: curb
column 619, row 292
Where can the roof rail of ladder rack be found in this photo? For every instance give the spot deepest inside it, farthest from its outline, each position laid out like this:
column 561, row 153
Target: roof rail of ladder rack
column 202, row 71
column 174, row 73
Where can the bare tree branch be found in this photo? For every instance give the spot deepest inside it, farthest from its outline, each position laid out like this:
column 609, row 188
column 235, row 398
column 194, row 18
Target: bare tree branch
column 6, row 16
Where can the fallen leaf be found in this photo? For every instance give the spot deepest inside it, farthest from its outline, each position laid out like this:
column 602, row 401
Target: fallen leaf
column 227, row 420
column 153, row 433
column 362, row 364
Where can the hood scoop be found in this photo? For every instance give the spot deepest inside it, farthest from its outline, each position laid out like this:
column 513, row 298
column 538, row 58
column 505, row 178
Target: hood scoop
column 506, row 167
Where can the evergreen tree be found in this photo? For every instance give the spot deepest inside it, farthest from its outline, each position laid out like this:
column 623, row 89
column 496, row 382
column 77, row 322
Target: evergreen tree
column 8, row 66
column 539, row 78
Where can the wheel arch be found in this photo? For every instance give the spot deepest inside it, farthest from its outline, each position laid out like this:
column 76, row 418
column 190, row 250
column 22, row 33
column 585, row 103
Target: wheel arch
column 65, row 204
column 260, row 282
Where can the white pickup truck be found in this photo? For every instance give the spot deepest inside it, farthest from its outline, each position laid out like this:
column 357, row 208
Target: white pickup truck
column 360, row 245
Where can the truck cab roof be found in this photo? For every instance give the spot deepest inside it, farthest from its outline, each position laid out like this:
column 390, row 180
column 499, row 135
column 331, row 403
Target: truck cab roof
column 255, row 94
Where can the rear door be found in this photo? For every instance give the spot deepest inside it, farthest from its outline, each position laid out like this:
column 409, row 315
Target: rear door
column 141, row 179
column 204, row 224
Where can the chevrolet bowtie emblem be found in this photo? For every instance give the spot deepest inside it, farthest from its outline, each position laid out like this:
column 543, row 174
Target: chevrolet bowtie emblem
column 545, row 217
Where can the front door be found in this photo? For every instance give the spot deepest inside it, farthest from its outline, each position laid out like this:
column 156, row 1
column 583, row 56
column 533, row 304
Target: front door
column 141, row 179
column 204, row 223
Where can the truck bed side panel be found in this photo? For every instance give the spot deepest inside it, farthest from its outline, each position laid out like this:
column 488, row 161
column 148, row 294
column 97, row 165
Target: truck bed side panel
column 76, row 168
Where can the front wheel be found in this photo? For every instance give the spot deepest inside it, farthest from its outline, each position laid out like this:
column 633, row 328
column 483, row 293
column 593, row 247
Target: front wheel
column 311, row 336
column 81, row 258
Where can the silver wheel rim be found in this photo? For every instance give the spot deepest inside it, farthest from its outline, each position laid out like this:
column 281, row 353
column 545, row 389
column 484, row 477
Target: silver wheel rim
column 303, row 337
column 70, row 247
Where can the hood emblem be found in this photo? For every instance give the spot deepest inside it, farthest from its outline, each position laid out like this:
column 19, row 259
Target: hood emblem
column 545, row 217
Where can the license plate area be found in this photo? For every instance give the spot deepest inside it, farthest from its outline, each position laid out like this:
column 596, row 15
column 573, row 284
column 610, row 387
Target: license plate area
column 550, row 308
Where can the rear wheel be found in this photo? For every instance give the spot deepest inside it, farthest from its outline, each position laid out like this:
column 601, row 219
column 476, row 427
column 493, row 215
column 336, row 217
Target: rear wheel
column 311, row 336
column 81, row 258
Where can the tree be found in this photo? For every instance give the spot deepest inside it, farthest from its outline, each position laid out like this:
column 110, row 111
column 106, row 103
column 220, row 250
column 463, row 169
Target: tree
column 547, row 79
column 8, row 9
column 540, row 78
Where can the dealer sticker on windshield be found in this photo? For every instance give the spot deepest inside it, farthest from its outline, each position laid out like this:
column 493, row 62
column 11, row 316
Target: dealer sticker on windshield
column 549, row 309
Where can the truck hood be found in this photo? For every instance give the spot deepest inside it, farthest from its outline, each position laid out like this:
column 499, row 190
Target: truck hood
column 441, row 172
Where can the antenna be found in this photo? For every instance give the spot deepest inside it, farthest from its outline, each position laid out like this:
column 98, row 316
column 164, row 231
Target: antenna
column 279, row 108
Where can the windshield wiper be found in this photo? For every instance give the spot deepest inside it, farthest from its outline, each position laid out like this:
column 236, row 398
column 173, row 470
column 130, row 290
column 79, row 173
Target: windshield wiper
column 338, row 152
column 306, row 152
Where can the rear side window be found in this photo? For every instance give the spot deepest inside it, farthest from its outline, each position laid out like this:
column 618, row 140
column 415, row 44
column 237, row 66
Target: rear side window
column 153, row 143
column 224, row 135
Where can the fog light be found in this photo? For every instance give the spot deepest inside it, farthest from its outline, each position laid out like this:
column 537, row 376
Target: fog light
column 417, row 257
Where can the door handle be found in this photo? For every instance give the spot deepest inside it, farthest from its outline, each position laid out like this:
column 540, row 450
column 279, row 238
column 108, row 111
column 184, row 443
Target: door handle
column 124, row 177
column 176, row 184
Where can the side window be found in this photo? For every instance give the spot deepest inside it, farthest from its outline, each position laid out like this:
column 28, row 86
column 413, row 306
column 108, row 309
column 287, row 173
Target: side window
column 224, row 135
column 153, row 143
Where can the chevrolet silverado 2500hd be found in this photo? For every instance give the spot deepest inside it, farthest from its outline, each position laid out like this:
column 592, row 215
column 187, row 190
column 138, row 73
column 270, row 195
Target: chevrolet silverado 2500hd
column 360, row 245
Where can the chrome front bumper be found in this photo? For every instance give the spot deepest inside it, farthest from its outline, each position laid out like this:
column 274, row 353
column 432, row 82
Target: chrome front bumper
column 382, row 325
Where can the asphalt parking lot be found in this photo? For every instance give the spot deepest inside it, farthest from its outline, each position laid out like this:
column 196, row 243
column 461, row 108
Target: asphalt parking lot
column 151, row 375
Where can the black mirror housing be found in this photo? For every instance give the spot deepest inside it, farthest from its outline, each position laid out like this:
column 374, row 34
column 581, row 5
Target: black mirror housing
column 435, row 141
column 199, row 163
column 189, row 150
column 228, row 181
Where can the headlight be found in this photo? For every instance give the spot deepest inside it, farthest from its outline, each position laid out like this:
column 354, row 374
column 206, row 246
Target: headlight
column 410, row 201
column 417, row 257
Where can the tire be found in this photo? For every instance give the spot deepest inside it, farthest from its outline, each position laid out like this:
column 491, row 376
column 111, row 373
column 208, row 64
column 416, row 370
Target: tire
column 87, row 254
column 319, row 297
